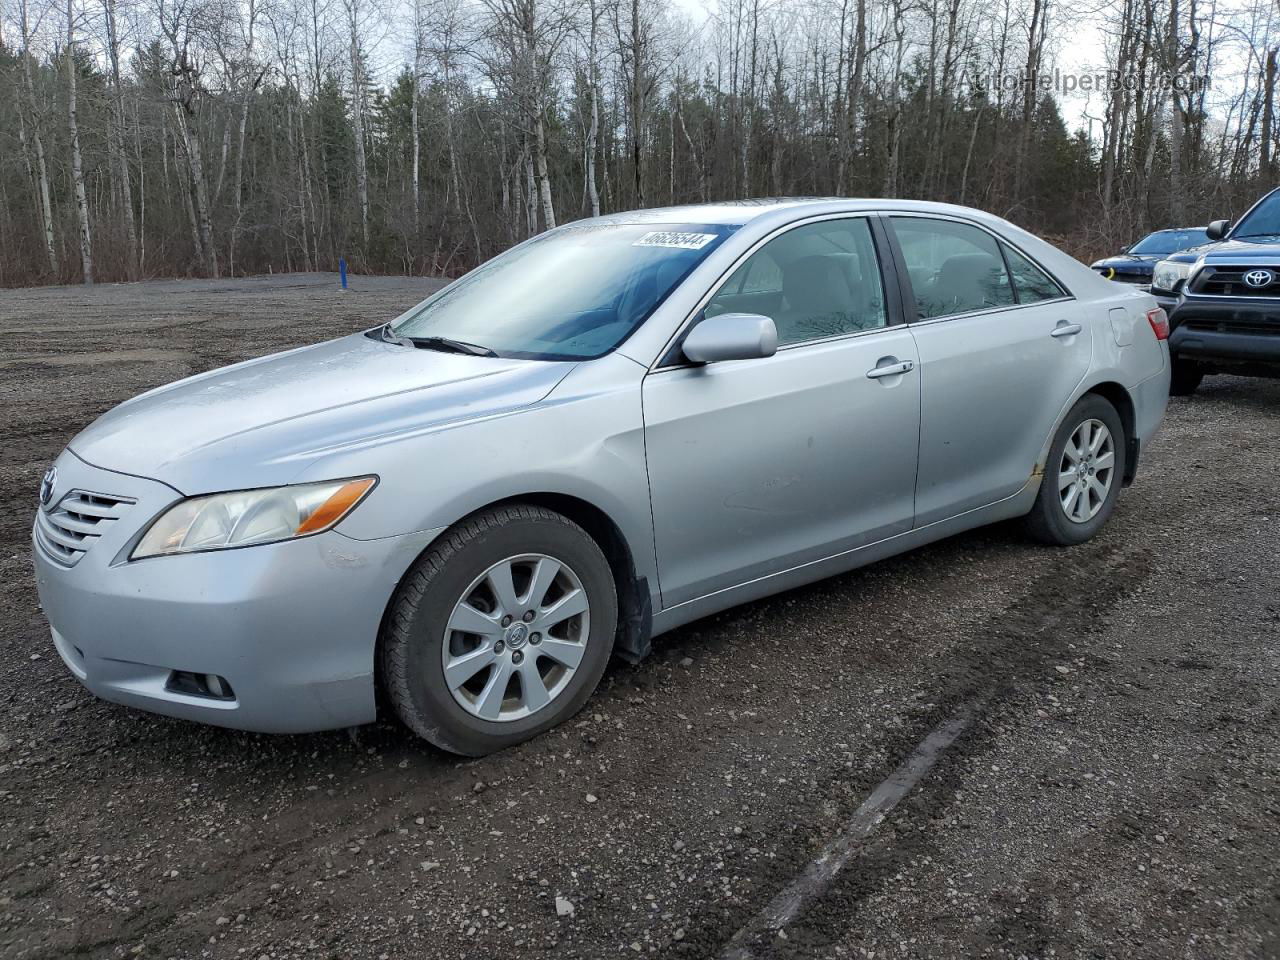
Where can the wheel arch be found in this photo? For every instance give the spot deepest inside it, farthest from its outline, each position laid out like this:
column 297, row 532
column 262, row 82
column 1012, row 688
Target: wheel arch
column 635, row 605
column 1115, row 394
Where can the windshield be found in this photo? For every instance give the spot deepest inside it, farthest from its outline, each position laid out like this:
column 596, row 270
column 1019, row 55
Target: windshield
column 570, row 294
column 1169, row 241
column 1262, row 221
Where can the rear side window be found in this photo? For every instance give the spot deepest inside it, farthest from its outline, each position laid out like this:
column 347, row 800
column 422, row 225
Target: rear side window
column 953, row 267
column 815, row 281
column 1030, row 282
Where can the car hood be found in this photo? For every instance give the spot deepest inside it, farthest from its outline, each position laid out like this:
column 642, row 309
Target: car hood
column 264, row 421
column 1192, row 254
column 1128, row 260
column 1266, row 251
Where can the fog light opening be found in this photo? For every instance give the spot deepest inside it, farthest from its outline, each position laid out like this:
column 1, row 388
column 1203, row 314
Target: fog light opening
column 200, row 685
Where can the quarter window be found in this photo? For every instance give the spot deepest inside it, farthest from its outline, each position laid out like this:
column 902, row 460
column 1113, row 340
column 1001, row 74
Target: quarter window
column 1030, row 282
column 954, row 267
column 815, row 281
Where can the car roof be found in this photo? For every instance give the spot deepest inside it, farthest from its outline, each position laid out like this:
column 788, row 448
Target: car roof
column 741, row 212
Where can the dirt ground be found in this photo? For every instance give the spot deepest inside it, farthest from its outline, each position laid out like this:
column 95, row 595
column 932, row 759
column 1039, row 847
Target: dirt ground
column 1118, row 796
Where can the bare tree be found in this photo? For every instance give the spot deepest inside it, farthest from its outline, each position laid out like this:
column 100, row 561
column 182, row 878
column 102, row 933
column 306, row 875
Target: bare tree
column 26, row 28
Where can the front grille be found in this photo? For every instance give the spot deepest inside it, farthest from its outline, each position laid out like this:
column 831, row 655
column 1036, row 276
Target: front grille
column 69, row 530
column 1129, row 276
column 1228, row 281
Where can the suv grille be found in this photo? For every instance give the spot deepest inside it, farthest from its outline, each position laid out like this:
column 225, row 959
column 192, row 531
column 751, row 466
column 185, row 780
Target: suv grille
column 1252, row 327
column 1228, row 281
column 68, row 530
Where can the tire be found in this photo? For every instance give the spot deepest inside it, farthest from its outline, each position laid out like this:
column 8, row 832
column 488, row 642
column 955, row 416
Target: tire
column 1185, row 377
column 463, row 565
column 1049, row 520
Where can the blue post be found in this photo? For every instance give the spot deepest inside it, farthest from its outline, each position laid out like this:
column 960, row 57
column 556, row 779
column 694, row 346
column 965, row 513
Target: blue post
column 342, row 272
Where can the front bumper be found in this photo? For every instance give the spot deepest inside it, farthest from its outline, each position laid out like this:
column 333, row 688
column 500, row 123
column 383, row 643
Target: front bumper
column 1230, row 331
column 290, row 626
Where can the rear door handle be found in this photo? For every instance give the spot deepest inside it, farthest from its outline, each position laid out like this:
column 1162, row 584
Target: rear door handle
column 891, row 370
column 1065, row 329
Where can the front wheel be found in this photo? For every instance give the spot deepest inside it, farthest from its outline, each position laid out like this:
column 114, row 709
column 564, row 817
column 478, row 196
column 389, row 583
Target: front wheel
column 501, row 630
column 1082, row 475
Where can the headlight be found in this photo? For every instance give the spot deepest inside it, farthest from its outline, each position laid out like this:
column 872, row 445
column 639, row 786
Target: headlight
column 1169, row 273
column 251, row 516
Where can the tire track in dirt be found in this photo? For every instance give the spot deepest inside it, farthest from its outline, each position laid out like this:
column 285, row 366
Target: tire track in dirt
column 987, row 663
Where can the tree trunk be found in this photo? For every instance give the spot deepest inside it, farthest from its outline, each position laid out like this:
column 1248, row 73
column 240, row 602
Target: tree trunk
column 544, row 182
column 116, row 141
column 77, row 166
column 417, row 149
column 37, row 144
column 357, row 122
column 1268, row 97
column 593, row 78
column 198, row 189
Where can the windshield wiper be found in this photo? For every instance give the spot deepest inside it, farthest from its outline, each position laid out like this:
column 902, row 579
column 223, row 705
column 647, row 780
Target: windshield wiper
column 446, row 344
column 450, row 346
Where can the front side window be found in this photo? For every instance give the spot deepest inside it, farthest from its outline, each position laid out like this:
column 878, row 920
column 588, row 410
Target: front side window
column 1030, row 283
column 815, row 281
column 570, row 294
column 954, row 267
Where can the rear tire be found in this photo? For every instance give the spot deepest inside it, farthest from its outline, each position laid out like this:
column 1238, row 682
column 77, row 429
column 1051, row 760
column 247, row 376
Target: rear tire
column 1185, row 377
column 473, row 664
column 1082, row 476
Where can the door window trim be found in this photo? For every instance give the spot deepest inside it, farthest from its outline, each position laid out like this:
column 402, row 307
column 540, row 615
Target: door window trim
column 894, row 309
column 908, row 297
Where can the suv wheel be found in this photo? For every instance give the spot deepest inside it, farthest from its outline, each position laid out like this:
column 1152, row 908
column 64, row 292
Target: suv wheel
column 501, row 630
column 1082, row 475
column 1186, row 376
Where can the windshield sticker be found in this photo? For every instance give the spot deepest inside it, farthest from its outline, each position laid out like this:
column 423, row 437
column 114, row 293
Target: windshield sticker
column 678, row 241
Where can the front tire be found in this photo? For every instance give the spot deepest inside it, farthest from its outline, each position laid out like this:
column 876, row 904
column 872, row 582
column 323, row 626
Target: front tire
column 1082, row 476
column 1185, row 377
column 500, row 631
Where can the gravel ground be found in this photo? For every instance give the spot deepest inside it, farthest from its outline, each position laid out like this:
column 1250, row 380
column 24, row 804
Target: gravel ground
column 1117, row 796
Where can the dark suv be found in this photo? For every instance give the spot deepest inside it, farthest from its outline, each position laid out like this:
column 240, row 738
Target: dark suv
column 1223, row 299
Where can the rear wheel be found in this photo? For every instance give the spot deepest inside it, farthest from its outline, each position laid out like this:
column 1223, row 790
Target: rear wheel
column 1185, row 377
column 500, row 631
column 1082, row 476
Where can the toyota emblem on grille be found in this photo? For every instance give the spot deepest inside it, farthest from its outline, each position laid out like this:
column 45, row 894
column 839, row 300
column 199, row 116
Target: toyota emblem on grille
column 1259, row 278
column 47, row 483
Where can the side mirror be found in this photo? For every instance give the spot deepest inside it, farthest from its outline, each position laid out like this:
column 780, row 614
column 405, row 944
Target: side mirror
column 1217, row 229
column 731, row 336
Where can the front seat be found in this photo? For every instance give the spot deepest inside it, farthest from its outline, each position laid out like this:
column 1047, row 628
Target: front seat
column 817, row 298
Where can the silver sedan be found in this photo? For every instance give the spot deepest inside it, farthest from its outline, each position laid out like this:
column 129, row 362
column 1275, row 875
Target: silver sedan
column 612, row 429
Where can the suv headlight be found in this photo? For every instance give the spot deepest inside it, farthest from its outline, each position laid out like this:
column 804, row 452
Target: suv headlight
column 225, row 520
column 1169, row 273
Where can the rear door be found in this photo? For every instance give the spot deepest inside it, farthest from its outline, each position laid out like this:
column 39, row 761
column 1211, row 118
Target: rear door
column 1002, row 346
column 758, row 466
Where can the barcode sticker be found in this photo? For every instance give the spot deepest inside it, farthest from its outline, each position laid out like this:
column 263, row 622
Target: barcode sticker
column 679, row 241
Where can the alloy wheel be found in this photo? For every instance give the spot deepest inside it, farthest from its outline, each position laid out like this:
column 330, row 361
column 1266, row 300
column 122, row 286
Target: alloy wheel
column 1087, row 471
column 516, row 637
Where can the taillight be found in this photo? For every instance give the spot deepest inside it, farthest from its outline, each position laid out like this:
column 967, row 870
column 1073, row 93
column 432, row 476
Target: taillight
column 1159, row 321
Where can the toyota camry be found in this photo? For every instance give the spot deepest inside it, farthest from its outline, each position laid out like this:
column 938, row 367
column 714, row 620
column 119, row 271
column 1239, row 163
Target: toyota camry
column 614, row 428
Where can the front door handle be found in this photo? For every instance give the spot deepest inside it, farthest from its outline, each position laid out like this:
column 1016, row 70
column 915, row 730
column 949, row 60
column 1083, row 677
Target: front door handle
column 1064, row 329
column 891, row 370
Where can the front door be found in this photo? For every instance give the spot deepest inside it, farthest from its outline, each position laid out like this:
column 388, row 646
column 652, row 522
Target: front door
column 758, row 466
